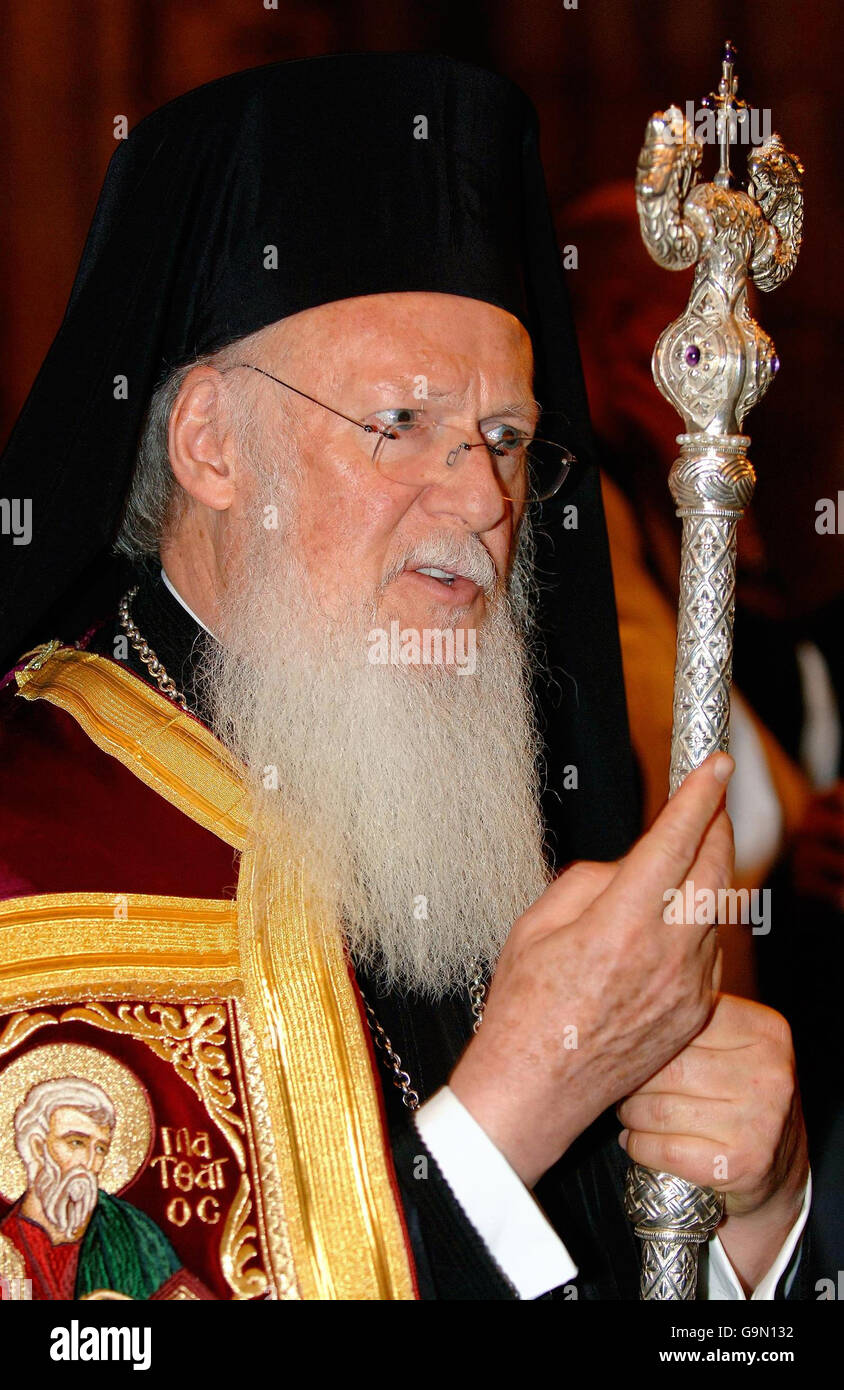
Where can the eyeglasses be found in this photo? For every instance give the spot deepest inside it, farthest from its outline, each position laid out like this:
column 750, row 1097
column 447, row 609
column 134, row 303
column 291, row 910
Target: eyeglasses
column 411, row 447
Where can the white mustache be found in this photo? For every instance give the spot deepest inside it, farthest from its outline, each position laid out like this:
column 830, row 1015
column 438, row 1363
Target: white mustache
column 464, row 556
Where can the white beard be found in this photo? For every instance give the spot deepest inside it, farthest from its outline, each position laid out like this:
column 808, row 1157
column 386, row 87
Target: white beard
column 67, row 1200
column 410, row 792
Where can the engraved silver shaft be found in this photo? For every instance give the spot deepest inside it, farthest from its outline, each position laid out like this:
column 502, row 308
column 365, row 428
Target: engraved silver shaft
column 711, row 482
column 713, row 363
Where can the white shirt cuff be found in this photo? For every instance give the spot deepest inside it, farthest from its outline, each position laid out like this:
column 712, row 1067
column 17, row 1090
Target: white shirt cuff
column 722, row 1284
column 505, row 1215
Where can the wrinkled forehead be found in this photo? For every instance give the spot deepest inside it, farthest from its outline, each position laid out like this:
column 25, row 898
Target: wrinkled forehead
column 410, row 332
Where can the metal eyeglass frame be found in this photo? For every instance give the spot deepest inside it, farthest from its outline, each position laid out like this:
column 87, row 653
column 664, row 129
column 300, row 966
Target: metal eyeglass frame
column 386, row 434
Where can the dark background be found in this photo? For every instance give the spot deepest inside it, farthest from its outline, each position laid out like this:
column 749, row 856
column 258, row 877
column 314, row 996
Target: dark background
column 595, row 73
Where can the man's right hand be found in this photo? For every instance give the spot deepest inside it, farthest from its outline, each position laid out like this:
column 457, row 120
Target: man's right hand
column 594, row 991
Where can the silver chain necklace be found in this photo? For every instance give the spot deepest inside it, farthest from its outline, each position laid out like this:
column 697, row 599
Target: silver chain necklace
column 391, row 1059
column 164, row 682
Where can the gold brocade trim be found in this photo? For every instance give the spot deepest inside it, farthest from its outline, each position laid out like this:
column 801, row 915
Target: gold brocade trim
column 344, row 1228
column 237, row 1249
column 169, row 751
column 57, row 945
column 20, row 1026
column 314, row 1074
column 269, row 1208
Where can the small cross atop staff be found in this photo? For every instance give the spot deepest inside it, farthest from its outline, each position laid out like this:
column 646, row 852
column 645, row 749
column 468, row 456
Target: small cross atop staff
column 727, row 106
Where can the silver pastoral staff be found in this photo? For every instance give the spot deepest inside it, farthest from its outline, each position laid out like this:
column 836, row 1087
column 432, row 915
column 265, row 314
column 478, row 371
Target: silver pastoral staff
column 713, row 363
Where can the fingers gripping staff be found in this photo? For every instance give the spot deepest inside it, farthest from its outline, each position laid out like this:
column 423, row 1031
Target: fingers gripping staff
column 713, row 363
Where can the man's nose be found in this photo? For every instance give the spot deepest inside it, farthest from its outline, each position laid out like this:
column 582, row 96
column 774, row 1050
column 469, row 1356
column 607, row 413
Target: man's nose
column 465, row 486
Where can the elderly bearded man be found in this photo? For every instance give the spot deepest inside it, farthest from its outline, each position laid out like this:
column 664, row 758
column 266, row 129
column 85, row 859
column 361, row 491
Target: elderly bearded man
column 330, row 317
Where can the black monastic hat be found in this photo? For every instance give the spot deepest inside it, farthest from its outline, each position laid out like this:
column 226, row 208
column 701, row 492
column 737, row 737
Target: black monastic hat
column 367, row 173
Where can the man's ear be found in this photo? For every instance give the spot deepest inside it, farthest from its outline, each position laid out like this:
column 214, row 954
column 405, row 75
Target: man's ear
column 37, row 1152
column 200, row 441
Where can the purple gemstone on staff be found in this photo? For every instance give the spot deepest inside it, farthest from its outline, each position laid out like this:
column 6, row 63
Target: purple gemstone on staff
column 775, row 364
column 692, row 354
